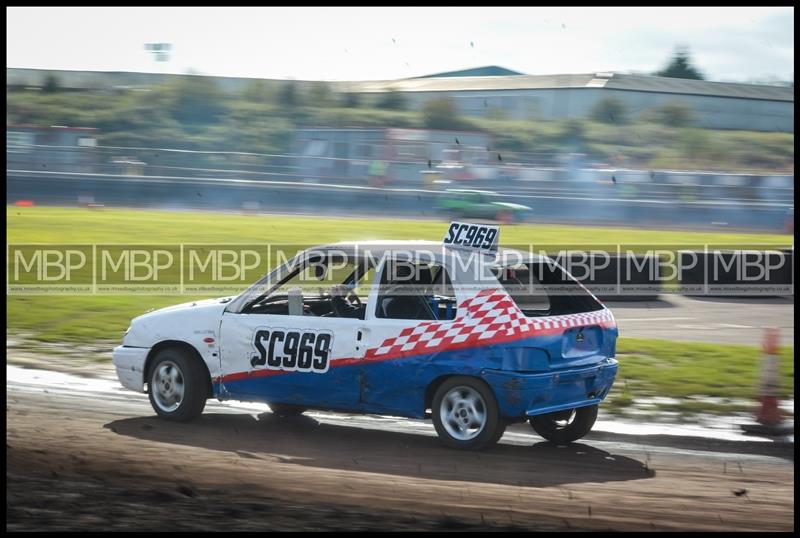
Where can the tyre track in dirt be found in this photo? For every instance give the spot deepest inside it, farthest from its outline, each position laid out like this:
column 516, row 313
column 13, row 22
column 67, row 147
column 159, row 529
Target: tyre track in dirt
column 89, row 461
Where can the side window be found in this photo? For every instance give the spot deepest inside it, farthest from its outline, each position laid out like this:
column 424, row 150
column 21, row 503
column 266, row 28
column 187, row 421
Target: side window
column 526, row 290
column 444, row 295
column 566, row 295
column 364, row 282
column 325, row 286
column 540, row 289
column 415, row 291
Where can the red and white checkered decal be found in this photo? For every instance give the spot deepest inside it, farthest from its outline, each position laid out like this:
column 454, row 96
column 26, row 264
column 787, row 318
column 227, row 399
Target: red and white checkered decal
column 489, row 317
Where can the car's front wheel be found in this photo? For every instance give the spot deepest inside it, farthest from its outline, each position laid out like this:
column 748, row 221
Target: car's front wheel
column 177, row 385
column 565, row 426
column 465, row 414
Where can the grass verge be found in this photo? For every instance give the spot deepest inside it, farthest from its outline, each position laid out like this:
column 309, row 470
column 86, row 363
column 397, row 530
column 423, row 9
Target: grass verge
column 695, row 376
column 690, row 377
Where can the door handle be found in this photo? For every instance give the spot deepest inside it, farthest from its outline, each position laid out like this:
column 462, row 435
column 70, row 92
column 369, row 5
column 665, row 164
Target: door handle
column 362, row 340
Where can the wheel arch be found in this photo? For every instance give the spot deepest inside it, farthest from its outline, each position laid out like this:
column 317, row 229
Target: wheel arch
column 177, row 344
column 437, row 382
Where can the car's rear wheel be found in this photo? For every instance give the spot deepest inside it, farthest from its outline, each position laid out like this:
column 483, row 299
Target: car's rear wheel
column 287, row 410
column 565, row 426
column 465, row 414
column 177, row 385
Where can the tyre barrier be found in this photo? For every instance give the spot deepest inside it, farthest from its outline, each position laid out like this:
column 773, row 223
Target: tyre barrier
column 615, row 277
column 736, row 273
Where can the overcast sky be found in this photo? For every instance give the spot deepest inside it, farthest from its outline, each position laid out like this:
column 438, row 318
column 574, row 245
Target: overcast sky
column 385, row 43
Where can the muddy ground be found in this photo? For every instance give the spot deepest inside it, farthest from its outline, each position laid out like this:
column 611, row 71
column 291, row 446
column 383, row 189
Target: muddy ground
column 78, row 461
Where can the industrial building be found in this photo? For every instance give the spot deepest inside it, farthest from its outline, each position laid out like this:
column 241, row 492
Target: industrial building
column 717, row 105
column 494, row 90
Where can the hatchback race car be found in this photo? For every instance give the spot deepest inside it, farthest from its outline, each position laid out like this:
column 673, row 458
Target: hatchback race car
column 478, row 204
column 470, row 335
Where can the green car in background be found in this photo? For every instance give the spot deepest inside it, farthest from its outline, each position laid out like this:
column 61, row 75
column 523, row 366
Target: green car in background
column 476, row 204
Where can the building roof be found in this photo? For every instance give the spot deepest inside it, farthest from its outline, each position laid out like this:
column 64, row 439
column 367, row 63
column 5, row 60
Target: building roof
column 451, row 81
column 486, row 71
column 700, row 87
column 612, row 81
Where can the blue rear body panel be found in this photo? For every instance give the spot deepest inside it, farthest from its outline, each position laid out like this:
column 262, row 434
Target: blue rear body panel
column 529, row 376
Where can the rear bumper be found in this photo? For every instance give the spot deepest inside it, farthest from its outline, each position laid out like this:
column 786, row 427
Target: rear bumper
column 129, row 362
column 520, row 395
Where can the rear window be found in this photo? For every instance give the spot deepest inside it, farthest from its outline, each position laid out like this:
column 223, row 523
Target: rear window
column 544, row 289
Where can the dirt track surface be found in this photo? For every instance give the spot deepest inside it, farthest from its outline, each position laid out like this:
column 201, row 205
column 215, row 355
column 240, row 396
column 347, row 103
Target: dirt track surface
column 103, row 461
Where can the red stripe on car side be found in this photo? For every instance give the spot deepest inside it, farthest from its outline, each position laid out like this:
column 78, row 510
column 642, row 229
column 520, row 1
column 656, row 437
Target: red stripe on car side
column 335, row 363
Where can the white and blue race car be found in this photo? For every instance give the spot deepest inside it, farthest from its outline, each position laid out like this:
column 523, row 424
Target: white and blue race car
column 472, row 336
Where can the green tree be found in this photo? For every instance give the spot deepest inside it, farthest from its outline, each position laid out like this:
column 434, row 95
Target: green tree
column 288, row 95
column 693, row 143
column 392, row 100
column 674, row 114
column 609, row 110
column 257, row 91
column 441, row 113
column 351, row 100
column 51, row 83
column 572, row 132
column 320, row 94
column 197, row 100
column 680, row 66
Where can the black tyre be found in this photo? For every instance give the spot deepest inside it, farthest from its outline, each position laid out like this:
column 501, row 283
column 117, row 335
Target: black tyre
column 287, row 410
column 565, row 426
column 177, row 385
column 465, row 414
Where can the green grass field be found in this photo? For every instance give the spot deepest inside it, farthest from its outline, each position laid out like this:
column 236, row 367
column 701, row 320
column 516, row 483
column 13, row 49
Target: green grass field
column 648, row 368
column 701, row 377
column 81, row 318
column 64, row 225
